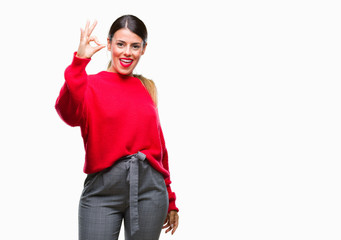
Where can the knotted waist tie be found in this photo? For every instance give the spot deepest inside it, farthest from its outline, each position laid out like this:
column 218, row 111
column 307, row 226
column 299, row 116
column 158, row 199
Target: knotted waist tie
column 133, row 179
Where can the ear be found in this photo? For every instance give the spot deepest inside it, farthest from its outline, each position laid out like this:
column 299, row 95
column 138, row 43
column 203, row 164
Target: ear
column 144, row 48
column 109, row 44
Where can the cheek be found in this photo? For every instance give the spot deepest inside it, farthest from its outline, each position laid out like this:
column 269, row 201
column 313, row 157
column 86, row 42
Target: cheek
column 137, row 55
column 115, row 52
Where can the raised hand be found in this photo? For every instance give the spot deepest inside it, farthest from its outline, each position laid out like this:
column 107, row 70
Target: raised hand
column 85, row 50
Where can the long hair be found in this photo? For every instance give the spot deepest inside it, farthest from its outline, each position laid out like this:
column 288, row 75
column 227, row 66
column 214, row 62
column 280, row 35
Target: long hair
column 150, row 86
column 135, row 25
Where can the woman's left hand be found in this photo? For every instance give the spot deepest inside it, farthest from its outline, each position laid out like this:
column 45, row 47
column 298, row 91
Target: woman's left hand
column 172, row 222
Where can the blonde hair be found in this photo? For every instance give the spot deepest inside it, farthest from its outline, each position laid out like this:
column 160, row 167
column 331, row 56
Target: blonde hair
column 149, row 85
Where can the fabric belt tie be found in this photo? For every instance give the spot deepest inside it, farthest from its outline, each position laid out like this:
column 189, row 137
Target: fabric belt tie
column 133, row 179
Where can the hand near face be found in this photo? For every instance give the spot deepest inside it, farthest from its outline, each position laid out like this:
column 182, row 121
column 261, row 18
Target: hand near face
column 85, row 50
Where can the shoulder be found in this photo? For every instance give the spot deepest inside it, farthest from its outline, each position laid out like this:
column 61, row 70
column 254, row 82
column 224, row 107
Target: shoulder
column 149, row 85
column 145, row 80
column 102, row 76
column 96, row 75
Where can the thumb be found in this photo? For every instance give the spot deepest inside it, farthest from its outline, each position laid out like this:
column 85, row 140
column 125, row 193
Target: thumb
column 99, row 45
column 96, row 49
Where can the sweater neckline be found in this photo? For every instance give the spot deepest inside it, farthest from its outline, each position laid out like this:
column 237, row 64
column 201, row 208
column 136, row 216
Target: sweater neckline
column 116, row 74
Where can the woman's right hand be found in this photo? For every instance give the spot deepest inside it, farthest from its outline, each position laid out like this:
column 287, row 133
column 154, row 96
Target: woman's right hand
column 85, row 50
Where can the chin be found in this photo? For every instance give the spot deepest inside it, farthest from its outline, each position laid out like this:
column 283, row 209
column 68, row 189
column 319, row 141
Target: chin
column 125, row 72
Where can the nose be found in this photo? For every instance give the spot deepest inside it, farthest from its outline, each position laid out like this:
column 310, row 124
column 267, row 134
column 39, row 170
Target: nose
column 127, row 51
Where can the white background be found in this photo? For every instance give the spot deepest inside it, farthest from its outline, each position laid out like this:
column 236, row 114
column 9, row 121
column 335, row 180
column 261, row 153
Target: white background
column 249, row 101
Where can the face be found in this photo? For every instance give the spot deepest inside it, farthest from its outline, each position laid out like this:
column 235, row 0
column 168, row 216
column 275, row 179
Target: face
column 126, row 49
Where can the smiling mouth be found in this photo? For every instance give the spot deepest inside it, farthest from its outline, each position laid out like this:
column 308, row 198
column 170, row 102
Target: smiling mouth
column 126, row 62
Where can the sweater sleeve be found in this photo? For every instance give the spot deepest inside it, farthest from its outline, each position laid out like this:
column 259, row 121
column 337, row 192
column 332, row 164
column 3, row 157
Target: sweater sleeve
column 70, row 102
column 171, row 195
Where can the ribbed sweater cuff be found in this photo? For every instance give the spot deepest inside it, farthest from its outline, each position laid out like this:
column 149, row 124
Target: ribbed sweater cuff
column 171, row 197
column 80, row 62
column 172, row 205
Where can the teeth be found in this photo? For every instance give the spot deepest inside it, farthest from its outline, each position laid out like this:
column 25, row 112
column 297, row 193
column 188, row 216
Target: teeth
column 126, row 60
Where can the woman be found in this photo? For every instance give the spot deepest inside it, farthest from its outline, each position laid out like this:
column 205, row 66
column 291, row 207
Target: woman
column 126, row 158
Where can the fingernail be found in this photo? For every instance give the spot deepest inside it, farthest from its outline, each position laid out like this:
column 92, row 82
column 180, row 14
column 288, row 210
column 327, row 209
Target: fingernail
column 172, row 225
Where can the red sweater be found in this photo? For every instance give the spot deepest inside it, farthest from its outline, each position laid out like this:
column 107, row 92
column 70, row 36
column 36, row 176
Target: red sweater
column 117, row 117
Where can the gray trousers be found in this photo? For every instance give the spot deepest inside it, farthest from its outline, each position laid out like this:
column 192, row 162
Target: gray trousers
column 130, row 190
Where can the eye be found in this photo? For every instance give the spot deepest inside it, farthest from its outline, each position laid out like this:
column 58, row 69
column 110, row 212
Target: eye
column 136, row 46
column 119, row 44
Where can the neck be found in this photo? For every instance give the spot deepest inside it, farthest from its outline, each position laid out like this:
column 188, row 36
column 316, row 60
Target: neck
column 111, row 69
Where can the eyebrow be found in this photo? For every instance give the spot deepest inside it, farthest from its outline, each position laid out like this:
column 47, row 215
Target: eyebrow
column 125, row 42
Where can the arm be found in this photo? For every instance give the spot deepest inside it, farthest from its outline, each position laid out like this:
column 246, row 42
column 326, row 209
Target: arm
column 70, row 102
column 171, row 195
column 172, row 220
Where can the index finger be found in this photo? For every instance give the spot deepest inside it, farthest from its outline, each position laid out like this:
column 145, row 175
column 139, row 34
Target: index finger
column 92, row 27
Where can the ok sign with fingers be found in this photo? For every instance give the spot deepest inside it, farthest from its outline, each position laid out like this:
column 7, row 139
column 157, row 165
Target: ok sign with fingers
column 85, row 50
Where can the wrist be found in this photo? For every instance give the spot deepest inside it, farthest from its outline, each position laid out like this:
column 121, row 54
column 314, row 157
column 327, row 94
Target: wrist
column 78, row 61
column 81, row 56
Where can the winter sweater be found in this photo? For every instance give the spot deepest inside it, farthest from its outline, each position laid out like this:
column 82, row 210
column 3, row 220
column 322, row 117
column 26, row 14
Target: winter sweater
column 117, row 117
